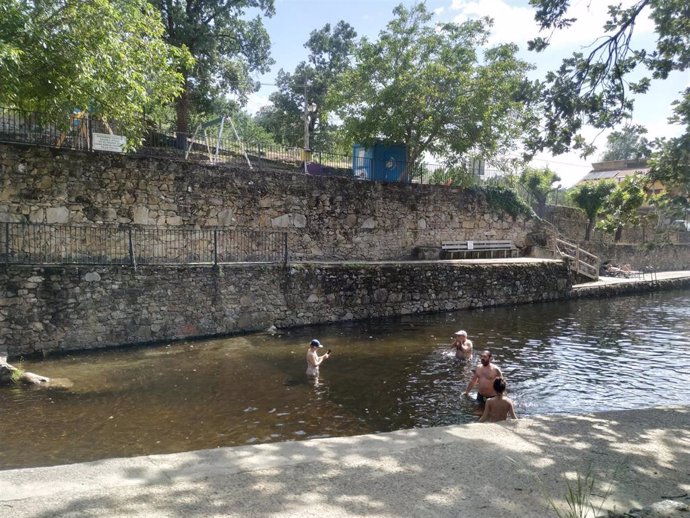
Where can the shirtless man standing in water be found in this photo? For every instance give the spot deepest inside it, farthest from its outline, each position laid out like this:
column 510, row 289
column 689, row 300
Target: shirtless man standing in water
column 462, row 346
column 313, row 359
column 484, row 375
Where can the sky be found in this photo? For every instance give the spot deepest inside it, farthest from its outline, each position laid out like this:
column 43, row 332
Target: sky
column 514, row 22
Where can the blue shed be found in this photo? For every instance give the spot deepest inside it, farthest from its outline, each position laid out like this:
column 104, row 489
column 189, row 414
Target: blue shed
column 381, row 162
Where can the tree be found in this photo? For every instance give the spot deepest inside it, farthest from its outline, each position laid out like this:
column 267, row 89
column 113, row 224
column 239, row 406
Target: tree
column 627, row 144
column 671, row 164
column 539, row 183
column 595, row 88
column 330, row 53
column 591, row 198
column 622, row 206
column 227, row 47
column 249, row 131
column 106, row 57
column 423, row 85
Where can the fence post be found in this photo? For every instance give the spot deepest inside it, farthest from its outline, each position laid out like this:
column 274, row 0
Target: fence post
column 285, row 248
column 215, row 247
column 7, row 243
column 89, row 144
column 132, row 258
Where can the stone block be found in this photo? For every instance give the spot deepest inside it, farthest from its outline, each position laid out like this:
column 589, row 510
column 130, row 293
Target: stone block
column 57, row 215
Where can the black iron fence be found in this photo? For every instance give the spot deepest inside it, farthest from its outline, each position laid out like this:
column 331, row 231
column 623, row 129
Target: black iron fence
column 26, row 243
column 78, row 131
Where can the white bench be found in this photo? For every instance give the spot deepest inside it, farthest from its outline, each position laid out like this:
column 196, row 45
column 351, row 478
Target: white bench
column 477, row 249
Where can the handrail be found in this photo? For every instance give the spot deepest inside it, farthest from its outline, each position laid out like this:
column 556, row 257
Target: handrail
column 582, row 262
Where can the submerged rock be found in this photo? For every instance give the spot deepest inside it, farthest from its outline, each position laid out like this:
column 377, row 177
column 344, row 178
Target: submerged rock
column 11, row 375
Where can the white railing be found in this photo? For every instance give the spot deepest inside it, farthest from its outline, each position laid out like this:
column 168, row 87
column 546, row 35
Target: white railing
column 581, row 261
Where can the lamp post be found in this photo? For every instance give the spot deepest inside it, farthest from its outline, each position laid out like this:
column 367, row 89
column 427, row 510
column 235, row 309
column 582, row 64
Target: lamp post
column 306, row 127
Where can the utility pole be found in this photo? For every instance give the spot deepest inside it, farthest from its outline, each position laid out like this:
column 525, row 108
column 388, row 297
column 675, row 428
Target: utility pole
column 306, row 127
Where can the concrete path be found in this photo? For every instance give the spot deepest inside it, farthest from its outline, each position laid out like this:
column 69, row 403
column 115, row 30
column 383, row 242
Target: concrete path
column 511, row 469
column 646, row 277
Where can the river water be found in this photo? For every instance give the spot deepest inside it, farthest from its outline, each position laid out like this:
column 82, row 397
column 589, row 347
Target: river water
column 565, row 357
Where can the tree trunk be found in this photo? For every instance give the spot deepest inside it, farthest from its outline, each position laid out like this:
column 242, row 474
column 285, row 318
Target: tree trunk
column 618, row 235
column 182, row 107
column 588, row 232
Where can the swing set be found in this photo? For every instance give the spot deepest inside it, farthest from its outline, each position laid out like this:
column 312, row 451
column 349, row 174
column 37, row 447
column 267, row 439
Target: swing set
column 214, row 154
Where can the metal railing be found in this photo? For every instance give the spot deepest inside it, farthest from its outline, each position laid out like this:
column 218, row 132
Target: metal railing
column 581, row 261
column 76, row 131
column 27, row 243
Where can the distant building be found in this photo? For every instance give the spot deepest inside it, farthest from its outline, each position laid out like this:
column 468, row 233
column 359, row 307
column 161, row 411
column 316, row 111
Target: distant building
column 618, row 170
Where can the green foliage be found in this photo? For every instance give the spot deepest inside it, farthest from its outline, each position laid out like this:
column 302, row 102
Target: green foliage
column 227, row 47
column 671, row 164
column 249, row 131
column 107, row 57
column 330, row 53
column 627, row 144
column 622, row 206
column 424, row 85
column 595, row 88
column 501, row 199
column 16, row 376
column 579, row 498
column 591, row 198
column 538, row 183
column 668, row 208
column 454, row 176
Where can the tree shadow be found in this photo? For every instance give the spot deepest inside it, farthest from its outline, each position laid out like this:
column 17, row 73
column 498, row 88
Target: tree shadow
column 503, row 470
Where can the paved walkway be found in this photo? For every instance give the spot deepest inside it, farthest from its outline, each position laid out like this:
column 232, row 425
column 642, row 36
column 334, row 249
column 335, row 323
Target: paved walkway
column 644, row 278
column 505, row 470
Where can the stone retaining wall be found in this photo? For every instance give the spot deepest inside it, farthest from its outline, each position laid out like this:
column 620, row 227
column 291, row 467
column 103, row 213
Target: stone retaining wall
column 660, row 258
column 670, row 253
column 67, row 308
column 328, row 218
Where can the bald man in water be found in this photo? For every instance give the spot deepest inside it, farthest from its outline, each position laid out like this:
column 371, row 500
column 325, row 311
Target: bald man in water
column 483, row 376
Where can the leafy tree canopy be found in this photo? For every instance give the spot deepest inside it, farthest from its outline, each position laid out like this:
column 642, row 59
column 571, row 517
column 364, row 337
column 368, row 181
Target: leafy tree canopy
column 226, row 45
column 594, row 88
column 104, row 56
column 538, row 183
column 591, row 198
column 629, row 143
column 671, row 164
column 423, row 85
column 622, row 206
column 330, row 53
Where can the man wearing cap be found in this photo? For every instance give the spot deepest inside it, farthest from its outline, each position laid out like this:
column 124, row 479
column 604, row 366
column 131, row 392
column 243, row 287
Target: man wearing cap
column 462, row 346
column 313, row 359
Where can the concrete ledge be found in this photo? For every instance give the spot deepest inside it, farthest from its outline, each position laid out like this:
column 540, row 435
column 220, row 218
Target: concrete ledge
column 613, row 286
column 511, row 469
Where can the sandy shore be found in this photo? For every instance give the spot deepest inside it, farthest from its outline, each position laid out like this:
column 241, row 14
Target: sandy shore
column 510, row 469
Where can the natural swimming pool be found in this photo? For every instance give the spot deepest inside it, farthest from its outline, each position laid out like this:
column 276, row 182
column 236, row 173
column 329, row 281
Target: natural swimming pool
column 565, row 357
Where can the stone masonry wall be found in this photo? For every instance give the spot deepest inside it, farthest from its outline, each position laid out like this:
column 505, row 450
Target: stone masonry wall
column 572, row 223
column 48, row 309
column 327, row 218
column 634, row 248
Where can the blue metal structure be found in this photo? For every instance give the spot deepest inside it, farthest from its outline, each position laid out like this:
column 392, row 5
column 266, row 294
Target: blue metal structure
column 381, row 162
